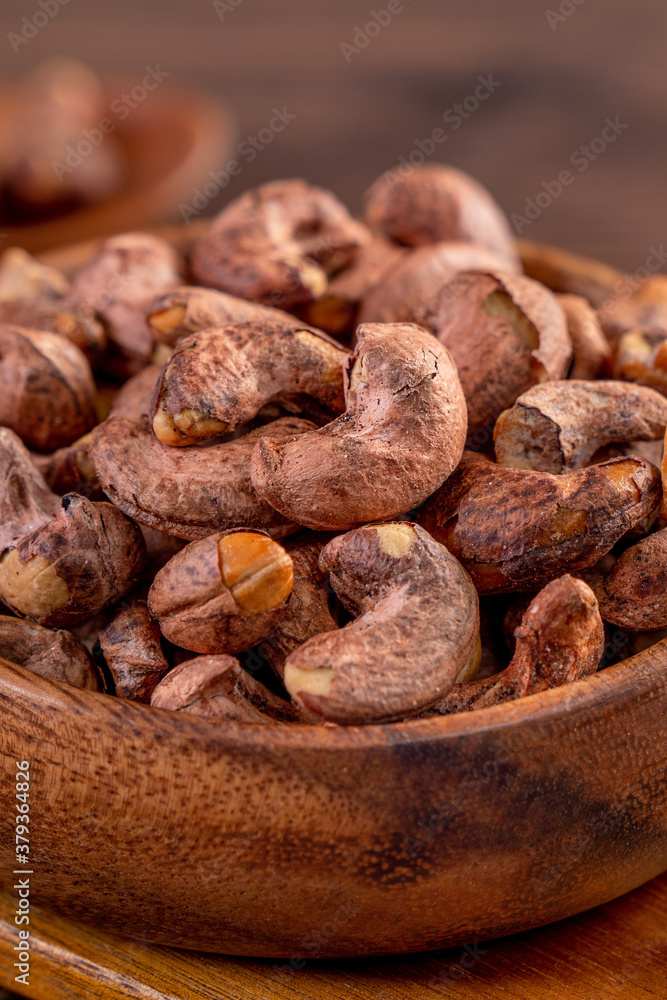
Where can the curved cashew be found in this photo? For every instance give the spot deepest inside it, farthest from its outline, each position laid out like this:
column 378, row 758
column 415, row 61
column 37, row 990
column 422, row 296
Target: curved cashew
column 591, row 350
column 433, row 203
column 558, row 426
column 505, row 333
column 58, row 656
column 187, row 492
column 219, row 379
column 70, row 470
column 26, row 502
column 400, row 437
column 642, row 358
column 418, row 627
column 277, row 244
column 633, row 593
column 130, row 644
column 560, row 640
column 516, row 530
column 223, row 593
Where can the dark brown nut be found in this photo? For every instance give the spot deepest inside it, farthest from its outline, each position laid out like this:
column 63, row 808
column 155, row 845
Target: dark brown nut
column 120, row 282
column 47, row 394
column 633, row 594
column 505, row 333
column 434, row 203
column 400, row 437
column 224, row 593
column 278, row 244
column 570, row 274
column 64, row 573
column 130, row 644
column 642, row 358
column 591, row 350
column 517, row 530
column 310, row 609
column 187, row 492
column 24, row 278
column 337, row 309
column 560, row 640
column 188, row 310
column 417, row 628
column 58, row 656
column 632, row 306
column 559, row 426
column 410, row 285
column 70, row 470
column 134, row 399
column 217, row 687
column 26, row 502
column 219, row 379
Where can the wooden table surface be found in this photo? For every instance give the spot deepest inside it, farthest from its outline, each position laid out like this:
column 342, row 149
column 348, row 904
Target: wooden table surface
column 615, row 951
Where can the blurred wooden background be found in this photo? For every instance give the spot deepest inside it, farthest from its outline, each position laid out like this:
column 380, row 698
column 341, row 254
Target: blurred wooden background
column 560, row 79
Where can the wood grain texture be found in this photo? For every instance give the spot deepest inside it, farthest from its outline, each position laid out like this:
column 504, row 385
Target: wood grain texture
column 615, row 952
column 255, row 840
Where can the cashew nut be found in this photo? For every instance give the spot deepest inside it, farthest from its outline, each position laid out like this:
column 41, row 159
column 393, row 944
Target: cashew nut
column 132, row 652
column 633, row 593
column 590, row 348
column 58, row 656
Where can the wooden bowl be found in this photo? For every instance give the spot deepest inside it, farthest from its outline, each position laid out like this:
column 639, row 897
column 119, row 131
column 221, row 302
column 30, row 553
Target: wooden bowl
column 303, row 842
column 171, row 141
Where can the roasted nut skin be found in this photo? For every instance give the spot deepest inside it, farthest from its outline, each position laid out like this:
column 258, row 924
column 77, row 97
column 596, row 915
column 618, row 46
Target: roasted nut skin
column 70, row 470
column 219, row 379
column 406, row 291
column 558, row 426
column 277, row 243
column 433, row 203
column 187, row 492
column 505, row 333
column 135, row 397
column 308, row 610
column 26, row 502
column 633, row 593
column 88, row 557
column 217, row 687
column 418, row 626
column 130, row 644
column 47, row 394
column 400, row 437
column 23, row 277
column 592, row 357
column 58, row 656
column 641, row 357
column 194, row 601
column 516, row 530
column 560, row 640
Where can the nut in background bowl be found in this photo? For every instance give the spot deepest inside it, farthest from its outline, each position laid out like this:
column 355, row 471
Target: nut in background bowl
column 170, row 142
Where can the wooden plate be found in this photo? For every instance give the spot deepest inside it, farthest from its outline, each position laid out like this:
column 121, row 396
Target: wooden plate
column 171, row 142
column 304, row 842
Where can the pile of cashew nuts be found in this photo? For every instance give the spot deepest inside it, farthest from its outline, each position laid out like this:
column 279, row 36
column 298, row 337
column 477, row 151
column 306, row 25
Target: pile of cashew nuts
column 300, row 468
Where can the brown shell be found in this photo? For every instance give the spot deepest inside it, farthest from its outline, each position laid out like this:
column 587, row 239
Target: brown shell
column 400, row 437
column 131, row 647
column 70, row 317
column 26, row 502
column 57, row 655
column 134, row 398
column 187, row 492
column 70, row 470
column 633, row 593
column 592, row 357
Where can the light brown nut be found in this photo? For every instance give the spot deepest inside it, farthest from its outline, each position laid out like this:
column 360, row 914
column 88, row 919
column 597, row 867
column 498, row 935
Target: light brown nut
column 277, row 244
column 516, row 530
column 310, row 609
column 401, row 436
column 633, row 593
column 26, row 502
column 559, row 426
column 120, row 282
column 642, row 358
column 64, row 573
column 23, row 277
column 560, row 640
column 417, row 628
column 135, row 397
column 217, row 687
column 410, row 285
column 58, row 656
column 70, row 470
column 47, row 394
column 505, row 333
column 189, row 309
column 72, row 319
column 337, row 309
column 569, row 273
column 188, row 492
column 634, row 305
column 130, row 644
column 434, row 203
column 591, row 350
column 219, row 379
column 224, row 593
